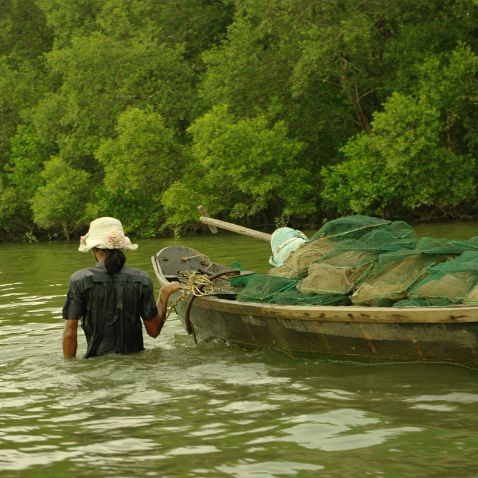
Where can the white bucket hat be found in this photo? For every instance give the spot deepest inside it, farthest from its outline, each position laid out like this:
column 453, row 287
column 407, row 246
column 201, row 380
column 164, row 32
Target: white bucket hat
column 284, row 241
column 105, row 233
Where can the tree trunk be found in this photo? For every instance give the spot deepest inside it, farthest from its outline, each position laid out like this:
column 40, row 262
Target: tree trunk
column 66, row 232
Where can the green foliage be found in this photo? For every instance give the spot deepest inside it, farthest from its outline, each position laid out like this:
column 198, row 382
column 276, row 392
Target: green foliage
column 341, row 50
column 400, row 164
column 7, row 205
column 24, row 34
column 240, row 167
column 450, row 83
column 24, row 37
column 139, row 163
column 21, row 180
column 70, row 18
column 195, row 24
column 103, row 76
column 423, row 30
column 20, row 87
column 62, row 198
column 26, row 160
column 30, row 238
column 325, row 67
column 132, row 93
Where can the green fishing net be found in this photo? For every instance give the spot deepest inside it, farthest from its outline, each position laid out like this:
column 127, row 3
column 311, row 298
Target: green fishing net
column 280, row 290
column 368, row 261
column 391, row 277
column 454, row 280
column 352, row 227
column 264, row 288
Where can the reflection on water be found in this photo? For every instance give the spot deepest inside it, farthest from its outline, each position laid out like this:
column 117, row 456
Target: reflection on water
column 178, row 410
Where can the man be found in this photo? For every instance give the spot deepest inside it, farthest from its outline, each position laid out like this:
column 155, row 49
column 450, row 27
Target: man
column 111, row 299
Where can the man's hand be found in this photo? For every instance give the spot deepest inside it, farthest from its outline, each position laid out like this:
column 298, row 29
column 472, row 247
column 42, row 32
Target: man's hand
column 169, row 289
column 154, row 325
column 163, row 298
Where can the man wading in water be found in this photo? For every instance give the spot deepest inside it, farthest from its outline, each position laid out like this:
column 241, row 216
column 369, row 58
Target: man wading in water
column 111, row 299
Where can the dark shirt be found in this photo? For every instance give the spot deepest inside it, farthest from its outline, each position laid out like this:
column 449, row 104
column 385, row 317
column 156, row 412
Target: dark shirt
column 111, row 308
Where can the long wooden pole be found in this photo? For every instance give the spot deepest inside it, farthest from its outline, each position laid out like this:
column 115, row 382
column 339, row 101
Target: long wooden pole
column 228, row 226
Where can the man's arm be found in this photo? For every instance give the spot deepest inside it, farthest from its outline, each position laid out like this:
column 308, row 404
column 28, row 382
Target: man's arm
column 70, row 341
column 154, row 325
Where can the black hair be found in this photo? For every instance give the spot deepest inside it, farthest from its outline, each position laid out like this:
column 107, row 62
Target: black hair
column 114, row 260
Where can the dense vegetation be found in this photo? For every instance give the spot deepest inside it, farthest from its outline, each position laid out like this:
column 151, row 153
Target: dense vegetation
column 266, row 112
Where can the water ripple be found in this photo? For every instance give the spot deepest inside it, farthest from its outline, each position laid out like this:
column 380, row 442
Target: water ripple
column 178, row 410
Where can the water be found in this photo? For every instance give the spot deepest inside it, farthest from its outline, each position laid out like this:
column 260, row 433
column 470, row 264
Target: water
column 178, row 410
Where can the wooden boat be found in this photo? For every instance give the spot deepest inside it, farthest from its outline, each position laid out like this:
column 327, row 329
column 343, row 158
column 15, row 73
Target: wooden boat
column 432, row 334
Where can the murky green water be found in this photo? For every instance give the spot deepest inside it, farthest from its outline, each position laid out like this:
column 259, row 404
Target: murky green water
column 178, row 410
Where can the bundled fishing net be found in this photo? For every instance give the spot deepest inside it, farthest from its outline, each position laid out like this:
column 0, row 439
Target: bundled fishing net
column 296, row 297
column 264, row 288
column 281, row 290
column 351, row 233
column 373, row 262
column 341, row 270
column 297, row 263
column 391, row 277
column 454, row 281
column 433, row 273
column 332, row 277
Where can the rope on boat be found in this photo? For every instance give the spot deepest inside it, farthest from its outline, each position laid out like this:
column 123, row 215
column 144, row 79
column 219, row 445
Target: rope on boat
column 197, row 285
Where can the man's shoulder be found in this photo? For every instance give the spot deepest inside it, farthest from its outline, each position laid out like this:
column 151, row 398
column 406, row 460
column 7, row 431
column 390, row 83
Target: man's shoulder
column 99, row 273
column 88, row 273
column 83, row 274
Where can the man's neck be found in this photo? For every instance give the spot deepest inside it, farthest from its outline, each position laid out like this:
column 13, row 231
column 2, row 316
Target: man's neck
column 99, row 255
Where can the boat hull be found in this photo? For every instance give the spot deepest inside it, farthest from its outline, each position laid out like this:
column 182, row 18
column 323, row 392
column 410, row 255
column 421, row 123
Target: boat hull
column 353, row 339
